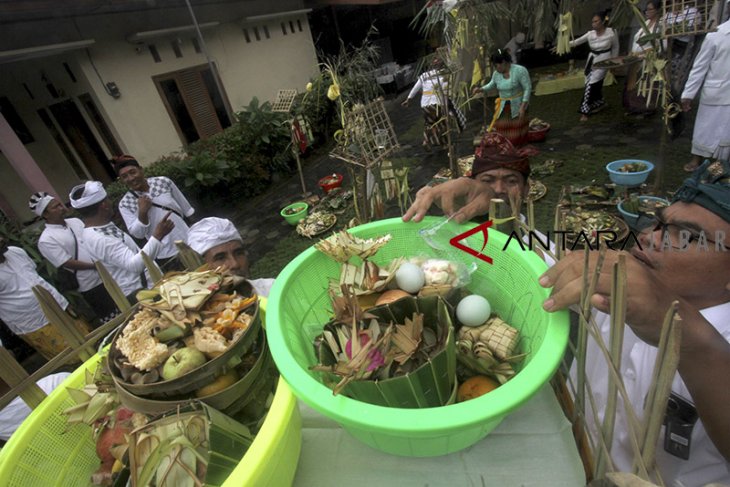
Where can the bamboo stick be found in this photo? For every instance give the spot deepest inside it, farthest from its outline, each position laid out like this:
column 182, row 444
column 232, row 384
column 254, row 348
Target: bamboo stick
column 618, row 319
column 665, row 367
column 64, row 357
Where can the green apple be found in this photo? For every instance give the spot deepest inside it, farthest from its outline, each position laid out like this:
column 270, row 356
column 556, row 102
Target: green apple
column 181, row 362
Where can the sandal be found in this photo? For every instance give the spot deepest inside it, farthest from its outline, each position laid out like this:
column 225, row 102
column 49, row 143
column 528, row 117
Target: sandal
column 690, row 167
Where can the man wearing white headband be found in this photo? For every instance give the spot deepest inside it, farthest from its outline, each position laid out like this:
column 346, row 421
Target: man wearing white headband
column 105, row 242
column 59, row 244
column 217, row 240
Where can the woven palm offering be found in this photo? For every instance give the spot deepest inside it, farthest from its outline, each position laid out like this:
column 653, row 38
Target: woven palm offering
column 399, row 355
column 192, row 330
column 391, row 341
column 194, row 445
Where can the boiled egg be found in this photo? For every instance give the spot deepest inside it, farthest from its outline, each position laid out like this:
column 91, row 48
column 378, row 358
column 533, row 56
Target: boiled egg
column 410, row 277
column 473, row 310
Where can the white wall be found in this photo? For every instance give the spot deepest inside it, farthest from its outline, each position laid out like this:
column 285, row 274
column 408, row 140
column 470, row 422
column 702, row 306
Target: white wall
column 138, row 118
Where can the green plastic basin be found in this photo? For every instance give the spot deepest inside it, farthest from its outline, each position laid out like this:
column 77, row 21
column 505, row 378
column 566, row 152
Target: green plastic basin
column 299, row 306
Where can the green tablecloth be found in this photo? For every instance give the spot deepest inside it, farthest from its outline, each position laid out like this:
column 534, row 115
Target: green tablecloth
column 532, row 447
column 572, row 81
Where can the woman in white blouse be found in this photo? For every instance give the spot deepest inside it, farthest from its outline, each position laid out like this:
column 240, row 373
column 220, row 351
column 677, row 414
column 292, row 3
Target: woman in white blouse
column 603, row 43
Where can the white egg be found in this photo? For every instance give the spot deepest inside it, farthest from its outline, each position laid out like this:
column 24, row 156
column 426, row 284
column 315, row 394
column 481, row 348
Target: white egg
column 410, row 277
column 473, row 310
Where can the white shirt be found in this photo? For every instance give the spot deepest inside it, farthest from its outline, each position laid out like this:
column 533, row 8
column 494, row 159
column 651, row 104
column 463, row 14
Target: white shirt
column 12, row 415
column 19, row 308
column 262, row 287
column 59, row 244
column 432, row 85
column 119, row 254
column 706, row 464
column 711, row 69
column 608, row 41
column 164, row 193
column 686, row 20
column 635, row 46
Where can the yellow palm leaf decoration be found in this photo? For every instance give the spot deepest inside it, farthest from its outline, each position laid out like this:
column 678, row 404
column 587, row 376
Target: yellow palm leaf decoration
column 565, row 33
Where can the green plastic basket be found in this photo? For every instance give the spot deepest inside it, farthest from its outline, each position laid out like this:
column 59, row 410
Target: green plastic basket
column 45, row 452
column 299, row 306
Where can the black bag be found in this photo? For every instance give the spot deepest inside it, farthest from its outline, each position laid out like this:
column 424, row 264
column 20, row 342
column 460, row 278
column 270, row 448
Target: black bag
column 67, row 280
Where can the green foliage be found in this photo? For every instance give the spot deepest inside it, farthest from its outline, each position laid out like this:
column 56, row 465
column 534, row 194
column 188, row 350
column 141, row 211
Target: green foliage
column 206, row 169
column 352, row 69
column 261, row 131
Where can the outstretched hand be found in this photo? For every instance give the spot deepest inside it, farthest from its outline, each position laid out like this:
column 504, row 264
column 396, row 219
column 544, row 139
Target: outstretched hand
column 647, row 299
column 474, row 194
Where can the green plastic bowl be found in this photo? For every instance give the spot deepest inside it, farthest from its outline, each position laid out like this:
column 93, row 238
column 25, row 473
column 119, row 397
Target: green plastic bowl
column 295, row 218
column 299, row 306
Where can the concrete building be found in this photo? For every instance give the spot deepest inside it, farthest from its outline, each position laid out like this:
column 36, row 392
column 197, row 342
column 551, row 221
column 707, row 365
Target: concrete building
column 84, row 80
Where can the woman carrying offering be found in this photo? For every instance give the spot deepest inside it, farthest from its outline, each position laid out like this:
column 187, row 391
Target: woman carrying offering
column 634, row 103
column 512, row 81
column 603, row 42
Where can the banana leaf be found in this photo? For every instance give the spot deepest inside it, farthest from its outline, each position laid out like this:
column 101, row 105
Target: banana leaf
column 430, row 384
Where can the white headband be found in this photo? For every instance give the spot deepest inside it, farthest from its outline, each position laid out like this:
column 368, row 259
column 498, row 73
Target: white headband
column 39, row 201
column 211, row 232
column 93, row 193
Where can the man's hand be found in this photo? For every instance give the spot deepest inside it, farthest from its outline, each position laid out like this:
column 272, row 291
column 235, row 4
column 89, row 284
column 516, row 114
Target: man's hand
column 476, row 90
column 144, row 203
column 647, row 300
column 686, row 104
column 406, row 102
column 523, row 111
column 164, row 227
column 475, row 194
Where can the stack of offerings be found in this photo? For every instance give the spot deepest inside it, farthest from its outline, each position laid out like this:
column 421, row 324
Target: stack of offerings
column 195, row 335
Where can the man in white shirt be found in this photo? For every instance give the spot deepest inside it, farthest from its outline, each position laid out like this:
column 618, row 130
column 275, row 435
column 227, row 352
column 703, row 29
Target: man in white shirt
column 13, row 415
column 217, row 240
column 19, row 308
column 710, row 74
column 686, row 258
column 147, row 202
column 59, row 244
column 105, row 242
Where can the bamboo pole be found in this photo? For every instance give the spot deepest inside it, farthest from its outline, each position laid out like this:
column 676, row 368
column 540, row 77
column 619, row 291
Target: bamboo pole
column 65, row 357
column 14, row 375
column 665, row 367
column 618, row 324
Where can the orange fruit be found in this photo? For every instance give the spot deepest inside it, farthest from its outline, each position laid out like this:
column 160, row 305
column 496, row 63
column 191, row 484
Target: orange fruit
column 474, row 387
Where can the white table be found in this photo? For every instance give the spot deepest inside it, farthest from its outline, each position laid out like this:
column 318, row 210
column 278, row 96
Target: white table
column 532, row 447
